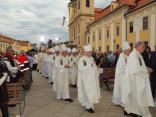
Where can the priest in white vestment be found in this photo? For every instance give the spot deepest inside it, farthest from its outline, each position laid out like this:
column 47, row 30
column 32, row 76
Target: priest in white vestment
column 88, row 81
column 137, row 96
column 54, row 66
column 40, row 61
column 50, row 65
column 74, row 68
column 62, row 79
column 45, row 64
column 120, row 74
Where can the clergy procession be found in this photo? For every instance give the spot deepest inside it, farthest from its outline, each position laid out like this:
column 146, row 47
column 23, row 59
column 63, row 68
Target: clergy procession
column 68, row 68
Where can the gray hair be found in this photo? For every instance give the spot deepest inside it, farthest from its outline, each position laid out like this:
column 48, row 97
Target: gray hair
column 138, row 43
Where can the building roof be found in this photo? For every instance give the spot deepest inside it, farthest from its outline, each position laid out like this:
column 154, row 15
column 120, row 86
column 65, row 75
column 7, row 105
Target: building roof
column 135, row 4
column 140, row 4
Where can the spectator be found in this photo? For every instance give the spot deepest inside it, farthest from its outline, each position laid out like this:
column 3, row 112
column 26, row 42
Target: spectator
column 146, row 56
column 116, row 55
column 3, row 90
column 35, row 63
column 153, row 74
column 14, row 70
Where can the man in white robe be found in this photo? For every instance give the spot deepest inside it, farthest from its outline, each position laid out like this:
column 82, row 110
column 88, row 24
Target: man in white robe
column 137, row 96
column 120, row 74
column 74, row 68
column 88, row 81
column 45, row 64
column 40, row 61
column 54, row 66
column 50, row 65
column 69, row 53
column 62, row 79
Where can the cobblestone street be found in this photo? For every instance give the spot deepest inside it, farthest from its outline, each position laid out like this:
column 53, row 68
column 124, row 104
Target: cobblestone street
column 41, row 102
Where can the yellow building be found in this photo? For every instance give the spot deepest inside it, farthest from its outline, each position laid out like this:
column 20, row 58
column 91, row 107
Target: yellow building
column 122, row 20
column 81, row 14
column 17, row 45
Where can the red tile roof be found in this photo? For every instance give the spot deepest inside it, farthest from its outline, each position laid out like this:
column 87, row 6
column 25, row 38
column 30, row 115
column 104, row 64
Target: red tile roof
column 103, row 13
column 141, row 3
column 135, row 4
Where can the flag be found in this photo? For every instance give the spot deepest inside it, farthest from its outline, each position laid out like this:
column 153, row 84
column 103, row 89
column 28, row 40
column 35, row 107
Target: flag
column 64, row 19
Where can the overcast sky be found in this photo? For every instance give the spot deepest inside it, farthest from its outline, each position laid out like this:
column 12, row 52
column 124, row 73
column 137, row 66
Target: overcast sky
column 33, row 20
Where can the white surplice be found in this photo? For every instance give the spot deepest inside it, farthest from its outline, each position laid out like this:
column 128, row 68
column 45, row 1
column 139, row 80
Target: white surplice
column 74, row 69
column 88, row 82
column 119, row 79
column 137, row 96
column 50, row 62
column 62, row 79
column 45, row 65
column 40, row 61
column 55, row 69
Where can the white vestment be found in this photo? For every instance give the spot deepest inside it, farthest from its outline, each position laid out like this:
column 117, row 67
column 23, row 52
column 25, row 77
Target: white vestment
column 62, row 79
column 40, row 61
column 137, row 95
column 45, row 66
column 119, row 76
column 55, row 69
column 50, row 62
column 74, row 69
column 88, row 82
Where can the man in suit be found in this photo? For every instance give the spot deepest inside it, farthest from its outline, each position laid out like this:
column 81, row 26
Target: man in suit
column 153, row 74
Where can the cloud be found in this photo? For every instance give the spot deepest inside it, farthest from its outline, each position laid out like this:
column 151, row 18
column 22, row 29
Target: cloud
column 29, row 19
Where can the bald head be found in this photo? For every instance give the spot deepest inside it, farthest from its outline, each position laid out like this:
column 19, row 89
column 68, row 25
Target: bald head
column 140, row 46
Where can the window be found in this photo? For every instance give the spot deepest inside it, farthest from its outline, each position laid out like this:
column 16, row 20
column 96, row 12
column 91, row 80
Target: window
column 100, row 48
column 94, row 37
column 88, row 40
column 131, row 45
column 131, row 27
column 117, row 30
column 145, row 23
column 87, row 3
column 107, row 49
column 146, row 43
column 107, row 34
column 78, row 4
column 117, row 46
column 99, row 35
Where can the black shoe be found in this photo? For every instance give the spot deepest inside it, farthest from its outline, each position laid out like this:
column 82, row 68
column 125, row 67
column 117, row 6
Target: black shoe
column 12, row 105
column 134, row 115
column 90, row 110
column 125, row 113
column 69, row 100
column 74, row 86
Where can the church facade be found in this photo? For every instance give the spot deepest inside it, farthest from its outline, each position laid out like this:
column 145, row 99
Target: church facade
column 108, row 28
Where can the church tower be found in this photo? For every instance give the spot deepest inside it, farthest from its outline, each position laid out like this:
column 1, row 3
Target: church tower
column 81, row 14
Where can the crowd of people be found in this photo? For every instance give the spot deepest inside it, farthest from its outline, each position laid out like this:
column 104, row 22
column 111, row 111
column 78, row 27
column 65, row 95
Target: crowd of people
column 64, row 67
column 11, row 68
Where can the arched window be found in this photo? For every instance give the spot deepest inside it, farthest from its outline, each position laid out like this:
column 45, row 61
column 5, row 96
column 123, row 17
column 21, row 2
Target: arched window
column 87, row 3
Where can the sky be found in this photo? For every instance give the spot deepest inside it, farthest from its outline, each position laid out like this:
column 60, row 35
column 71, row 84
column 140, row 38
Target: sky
column 36, row 20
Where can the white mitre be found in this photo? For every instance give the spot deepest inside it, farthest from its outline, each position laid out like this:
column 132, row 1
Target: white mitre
column 56, row 48
column 52, row 50
column 74, row 50
column 69, row 50
column 63, row 48
column 126, row 46
column 88, row 48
